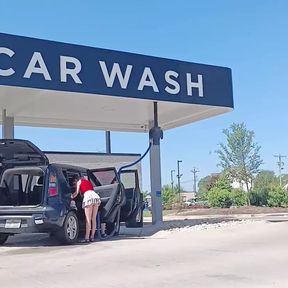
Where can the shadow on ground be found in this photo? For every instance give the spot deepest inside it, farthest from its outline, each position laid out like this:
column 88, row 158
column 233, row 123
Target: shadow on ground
column 45, row 240
column 40, row 240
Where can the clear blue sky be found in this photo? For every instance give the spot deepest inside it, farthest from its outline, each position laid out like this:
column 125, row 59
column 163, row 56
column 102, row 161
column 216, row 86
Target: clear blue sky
column 248, row 36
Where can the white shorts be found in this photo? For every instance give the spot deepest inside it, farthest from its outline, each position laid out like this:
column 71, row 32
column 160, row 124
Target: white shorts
column 90, row 198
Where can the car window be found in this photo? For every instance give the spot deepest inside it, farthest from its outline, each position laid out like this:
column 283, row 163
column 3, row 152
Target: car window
column 128, row 180
column 22, row 186
column 105, row 177
column 70, row 175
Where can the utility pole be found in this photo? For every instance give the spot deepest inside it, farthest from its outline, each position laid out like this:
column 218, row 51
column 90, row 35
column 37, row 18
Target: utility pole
column 179, row 176
column 280, row 164
column 172, row 180
column 108, row 142
column 194, row 171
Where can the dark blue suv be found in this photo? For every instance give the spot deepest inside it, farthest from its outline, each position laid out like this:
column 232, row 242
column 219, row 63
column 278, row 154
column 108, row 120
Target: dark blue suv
column 35, row 195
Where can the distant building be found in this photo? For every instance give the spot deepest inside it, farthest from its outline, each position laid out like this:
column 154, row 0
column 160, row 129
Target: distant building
column 92, row 160
column 185, row 196
column 240, row 185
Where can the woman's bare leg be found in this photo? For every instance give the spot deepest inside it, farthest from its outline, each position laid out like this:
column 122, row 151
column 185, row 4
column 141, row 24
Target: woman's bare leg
column 88, row 215
column 94, row 223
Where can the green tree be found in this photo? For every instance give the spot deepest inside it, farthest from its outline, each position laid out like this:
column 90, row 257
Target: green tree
column 263, row 183
column 169, row 196
column 219, row 198
column 145, row 194
column 284, row 179
column 278, row 197
column 223, row 182
column 205, row 184
column 240, row 156
column 239, row 197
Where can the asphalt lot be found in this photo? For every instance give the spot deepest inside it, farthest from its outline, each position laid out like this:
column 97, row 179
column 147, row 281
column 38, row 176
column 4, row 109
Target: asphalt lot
column 250, row 253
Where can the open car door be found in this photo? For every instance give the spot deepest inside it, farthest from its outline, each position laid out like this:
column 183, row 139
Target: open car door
column 107, row 185
column 132, row 211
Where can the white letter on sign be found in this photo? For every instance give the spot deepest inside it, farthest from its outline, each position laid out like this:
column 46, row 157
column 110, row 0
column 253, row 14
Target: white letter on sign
column 172, row 82
column 191, row 85
column 10, row 53
column 64, row 71
column 116, row 71
column 147, row 79
column 42, row 69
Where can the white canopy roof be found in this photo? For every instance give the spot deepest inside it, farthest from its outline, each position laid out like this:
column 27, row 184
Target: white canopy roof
column 44, row 108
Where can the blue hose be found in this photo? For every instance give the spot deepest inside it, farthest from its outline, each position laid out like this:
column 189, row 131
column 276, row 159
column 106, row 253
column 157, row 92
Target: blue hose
column 135, row 162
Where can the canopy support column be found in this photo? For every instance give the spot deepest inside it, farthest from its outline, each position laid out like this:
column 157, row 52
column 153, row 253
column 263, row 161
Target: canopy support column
column 155, row 134
column 7, row 126
column 108, row 142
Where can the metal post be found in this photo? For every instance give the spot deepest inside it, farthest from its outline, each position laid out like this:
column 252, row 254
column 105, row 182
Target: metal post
column 179, row 176
column 280, row 165
column 155, row 134
column 7, row 126
column 172, row 180
column 108, row 142
column 194, row 171
column 155, row 175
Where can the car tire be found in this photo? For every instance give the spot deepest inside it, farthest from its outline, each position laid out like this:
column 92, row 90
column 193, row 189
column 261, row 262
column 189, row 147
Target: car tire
column 68, row 234
column 3, row 238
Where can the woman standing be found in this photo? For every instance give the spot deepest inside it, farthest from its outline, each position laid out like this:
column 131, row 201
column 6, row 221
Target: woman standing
column 90, row 204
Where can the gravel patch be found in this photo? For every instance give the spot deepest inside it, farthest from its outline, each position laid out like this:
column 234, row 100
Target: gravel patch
column 184, row 226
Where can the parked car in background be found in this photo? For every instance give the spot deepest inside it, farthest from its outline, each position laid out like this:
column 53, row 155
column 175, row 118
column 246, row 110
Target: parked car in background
column 188, row 202
column 192, row 203
column 35, row 195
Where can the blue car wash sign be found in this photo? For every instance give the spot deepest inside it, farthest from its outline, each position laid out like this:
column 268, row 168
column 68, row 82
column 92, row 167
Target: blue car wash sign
column 42, row 64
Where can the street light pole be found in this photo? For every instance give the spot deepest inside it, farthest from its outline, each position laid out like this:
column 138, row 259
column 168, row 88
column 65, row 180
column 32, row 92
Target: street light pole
column 172, row 180
column 179, row 176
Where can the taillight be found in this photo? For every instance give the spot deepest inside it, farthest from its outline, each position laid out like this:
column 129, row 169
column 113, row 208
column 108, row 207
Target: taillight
column 52, row 191
column 52, row 188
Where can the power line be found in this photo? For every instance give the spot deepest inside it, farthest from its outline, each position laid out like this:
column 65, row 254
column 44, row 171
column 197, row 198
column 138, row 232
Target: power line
column 186, row 181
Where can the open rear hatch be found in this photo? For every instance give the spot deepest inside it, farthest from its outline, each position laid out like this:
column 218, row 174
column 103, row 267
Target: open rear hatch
column 16, row 152
column 21, row 178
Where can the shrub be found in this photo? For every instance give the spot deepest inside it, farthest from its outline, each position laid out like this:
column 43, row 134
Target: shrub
column 220, row 198
column 259, row 197
column 239, row 197
column 168, row 197
column 277, row 197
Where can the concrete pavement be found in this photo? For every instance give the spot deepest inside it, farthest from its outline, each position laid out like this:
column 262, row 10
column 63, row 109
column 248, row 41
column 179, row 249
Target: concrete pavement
column 236, row 254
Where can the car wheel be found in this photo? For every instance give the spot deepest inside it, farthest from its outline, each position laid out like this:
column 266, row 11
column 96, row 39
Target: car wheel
column 3, row 238
column 70, row 230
